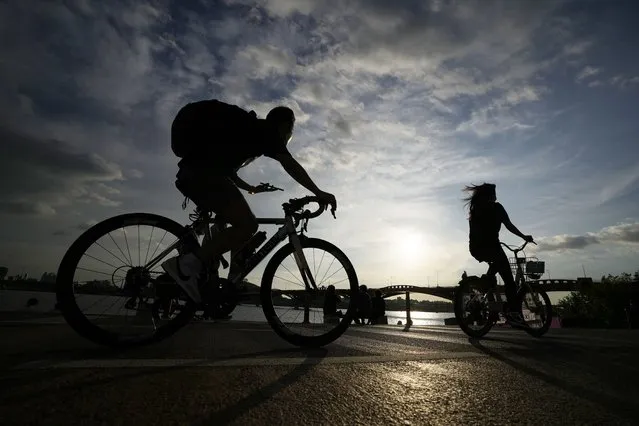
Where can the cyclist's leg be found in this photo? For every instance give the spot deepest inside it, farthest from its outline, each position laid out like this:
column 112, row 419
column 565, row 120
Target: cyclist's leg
column 502, row 266
column 219, row 195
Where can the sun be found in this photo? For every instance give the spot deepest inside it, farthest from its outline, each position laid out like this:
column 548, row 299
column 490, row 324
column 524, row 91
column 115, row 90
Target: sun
column 408, row 247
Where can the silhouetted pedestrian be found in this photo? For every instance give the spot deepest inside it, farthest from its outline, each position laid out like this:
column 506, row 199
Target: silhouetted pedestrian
column 363, row 305
column 378, row 308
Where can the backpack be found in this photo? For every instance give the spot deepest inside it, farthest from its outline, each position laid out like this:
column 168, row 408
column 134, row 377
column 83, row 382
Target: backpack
column 226, row 119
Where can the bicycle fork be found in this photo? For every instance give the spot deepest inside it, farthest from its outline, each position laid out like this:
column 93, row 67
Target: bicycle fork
column 302, row 264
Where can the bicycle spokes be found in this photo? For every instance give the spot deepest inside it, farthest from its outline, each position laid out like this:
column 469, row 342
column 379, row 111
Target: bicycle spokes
column 115, row 286
column 534, row 309
column 301, row 287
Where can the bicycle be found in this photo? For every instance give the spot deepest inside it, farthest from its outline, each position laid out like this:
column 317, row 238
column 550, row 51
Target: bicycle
column 160, row 304
column 478, row 297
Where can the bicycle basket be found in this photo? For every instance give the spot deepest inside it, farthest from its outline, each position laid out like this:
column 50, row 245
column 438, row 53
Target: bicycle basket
column 535, row 267
column 530, row 266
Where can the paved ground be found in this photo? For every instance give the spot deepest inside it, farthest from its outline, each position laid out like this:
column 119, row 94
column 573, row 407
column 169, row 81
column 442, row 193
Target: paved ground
column 243, row 374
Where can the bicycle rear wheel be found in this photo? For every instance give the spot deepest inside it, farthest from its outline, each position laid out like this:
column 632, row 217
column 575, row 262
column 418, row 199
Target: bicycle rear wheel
column 536, row 310
column 471, row 305
column 109, row 295
column 295, row 313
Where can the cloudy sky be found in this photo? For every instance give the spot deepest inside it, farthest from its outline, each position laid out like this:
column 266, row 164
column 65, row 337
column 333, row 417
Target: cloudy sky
column 399, row 105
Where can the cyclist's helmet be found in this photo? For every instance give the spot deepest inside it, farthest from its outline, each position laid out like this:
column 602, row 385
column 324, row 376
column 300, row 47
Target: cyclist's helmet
column 283, row 119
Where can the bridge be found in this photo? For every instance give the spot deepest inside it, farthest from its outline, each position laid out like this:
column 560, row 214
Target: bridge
column 448, row 292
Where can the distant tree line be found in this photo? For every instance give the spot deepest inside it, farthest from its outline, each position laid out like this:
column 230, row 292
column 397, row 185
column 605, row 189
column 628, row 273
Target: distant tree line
column 612, row 303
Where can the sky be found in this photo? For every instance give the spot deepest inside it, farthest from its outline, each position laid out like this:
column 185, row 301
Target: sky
column 398, row 105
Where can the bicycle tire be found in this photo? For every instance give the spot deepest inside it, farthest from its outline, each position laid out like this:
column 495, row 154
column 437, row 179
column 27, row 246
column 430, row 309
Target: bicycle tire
column 269, row 309
column 458, row 302
column 538, row 332
column 66, row 272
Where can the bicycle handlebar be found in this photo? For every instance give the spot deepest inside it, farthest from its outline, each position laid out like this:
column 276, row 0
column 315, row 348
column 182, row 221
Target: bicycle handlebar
column 518, row 249
column 296, row 204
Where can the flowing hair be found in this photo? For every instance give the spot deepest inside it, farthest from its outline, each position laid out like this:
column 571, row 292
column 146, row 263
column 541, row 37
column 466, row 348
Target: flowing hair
column 479, row 195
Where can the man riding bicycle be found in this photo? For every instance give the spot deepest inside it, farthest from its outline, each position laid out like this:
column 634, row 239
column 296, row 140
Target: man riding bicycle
column 214, row 140
column 486, row 216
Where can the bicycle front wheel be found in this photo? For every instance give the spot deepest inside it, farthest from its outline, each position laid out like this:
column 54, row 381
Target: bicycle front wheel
column 111, row 292
column 297, row 313
column 536, row 310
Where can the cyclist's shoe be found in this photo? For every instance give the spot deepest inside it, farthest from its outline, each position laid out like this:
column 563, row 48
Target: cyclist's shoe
column 186, row 270
column 515, row 319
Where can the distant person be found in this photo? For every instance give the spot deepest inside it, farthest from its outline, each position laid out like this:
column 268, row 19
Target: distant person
column 331, row 300
column 378, row 309
column 214, row 140
column 486, row 216
column 363, row 304
column 631, row 313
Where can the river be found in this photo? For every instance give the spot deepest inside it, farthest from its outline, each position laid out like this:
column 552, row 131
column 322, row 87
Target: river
column 254, row 313
column 99, row 305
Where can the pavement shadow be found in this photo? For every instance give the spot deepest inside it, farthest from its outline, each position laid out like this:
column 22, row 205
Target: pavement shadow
column 7, row 382
column 559, row 354
column 11, row 360
column 259, row 396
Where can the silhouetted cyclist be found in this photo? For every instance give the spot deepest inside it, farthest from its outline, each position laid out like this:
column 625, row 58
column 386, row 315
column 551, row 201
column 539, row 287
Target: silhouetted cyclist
column 214, row 140
column 486, row 216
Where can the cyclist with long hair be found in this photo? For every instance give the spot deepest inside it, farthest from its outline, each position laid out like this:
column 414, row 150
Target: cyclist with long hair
column 486, row 216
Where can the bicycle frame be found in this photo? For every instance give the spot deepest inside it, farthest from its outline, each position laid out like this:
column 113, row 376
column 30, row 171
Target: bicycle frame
column 287, row 228
column 520, row 277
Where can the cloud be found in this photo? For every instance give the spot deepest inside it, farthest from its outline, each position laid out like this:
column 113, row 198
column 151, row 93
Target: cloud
column 624, row 233
column 586, row 73
column 578, row 47
column 619, row 81
column 79, row 227
column 619, row 182
column 38, row 176
column 24, row 207
column 567, row 242
column 624, row 82
column 398, row 105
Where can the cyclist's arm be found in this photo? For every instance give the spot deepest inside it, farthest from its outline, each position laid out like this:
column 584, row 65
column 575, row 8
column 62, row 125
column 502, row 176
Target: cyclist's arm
column 512, row 228
column 241, row 183
column 509, row 225
column 297, row 172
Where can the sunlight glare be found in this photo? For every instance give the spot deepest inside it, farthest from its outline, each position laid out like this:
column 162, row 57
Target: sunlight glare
column 408, row 247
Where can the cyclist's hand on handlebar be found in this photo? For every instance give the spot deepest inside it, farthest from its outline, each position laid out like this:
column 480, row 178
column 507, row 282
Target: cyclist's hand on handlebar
column 529, row 239
column 325, row 199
